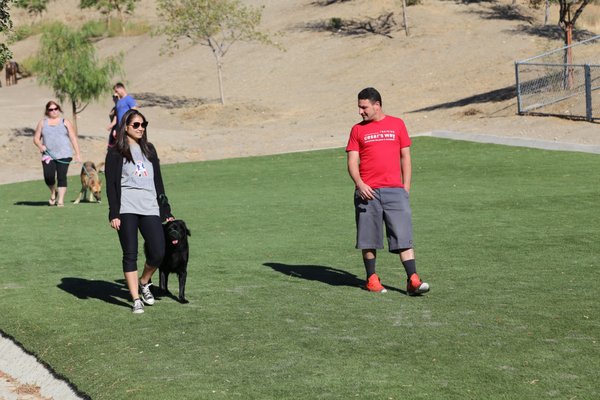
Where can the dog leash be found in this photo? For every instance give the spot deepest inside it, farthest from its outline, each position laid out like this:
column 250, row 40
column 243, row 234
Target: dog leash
column 52, row 156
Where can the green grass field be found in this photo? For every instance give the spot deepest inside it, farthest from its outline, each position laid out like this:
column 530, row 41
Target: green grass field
column 507, row 237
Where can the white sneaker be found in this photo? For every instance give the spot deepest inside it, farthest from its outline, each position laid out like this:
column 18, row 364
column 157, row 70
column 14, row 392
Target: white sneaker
column 138, row 307
column 146, row 293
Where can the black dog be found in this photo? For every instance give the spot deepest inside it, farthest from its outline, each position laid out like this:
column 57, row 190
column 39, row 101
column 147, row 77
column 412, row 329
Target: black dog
column 177, row 253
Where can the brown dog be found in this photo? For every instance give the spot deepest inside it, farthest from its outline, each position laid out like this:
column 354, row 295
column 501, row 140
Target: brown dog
column 12, row 69
column 90, row 180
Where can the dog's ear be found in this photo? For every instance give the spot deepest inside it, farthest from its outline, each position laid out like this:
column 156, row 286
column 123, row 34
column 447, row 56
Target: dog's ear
column 187, row 231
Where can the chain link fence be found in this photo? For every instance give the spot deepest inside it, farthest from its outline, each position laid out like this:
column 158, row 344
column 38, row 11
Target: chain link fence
column 554, row 83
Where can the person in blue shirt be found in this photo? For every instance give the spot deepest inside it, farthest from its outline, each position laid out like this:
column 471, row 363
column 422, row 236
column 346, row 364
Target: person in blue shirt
column 124, row 103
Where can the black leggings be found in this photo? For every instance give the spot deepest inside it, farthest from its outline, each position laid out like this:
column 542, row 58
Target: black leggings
column 56, row 170
column 151, row 229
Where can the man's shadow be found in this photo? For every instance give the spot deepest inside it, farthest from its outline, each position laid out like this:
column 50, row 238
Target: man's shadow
column 328, row 275
column 32, row 203
column 324, row 274
column 110, row 292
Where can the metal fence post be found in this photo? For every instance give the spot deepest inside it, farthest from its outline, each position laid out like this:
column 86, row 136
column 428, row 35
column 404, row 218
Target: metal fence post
column 588, row 92
column 518, row 86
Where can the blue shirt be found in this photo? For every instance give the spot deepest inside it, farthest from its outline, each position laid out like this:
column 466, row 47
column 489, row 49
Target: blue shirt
column 123, row 105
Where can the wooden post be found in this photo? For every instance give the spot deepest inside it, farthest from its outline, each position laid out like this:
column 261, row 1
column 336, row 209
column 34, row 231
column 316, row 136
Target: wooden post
column 404, row 18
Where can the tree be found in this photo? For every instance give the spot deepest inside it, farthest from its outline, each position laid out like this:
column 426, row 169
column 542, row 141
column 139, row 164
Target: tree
column 217, row 24
column 404, row 17
column 567, row 18
column 107, row 7
column 67, row 63
column 537, row 4
column 5, row 26
column 34, row 7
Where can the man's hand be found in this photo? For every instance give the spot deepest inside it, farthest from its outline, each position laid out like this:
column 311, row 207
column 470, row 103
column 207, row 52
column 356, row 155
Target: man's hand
column 365, row 191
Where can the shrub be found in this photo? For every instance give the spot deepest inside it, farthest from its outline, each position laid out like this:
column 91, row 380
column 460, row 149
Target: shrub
column 94, row 29
column 26, row 67
column 336, row 23
column 20, row 33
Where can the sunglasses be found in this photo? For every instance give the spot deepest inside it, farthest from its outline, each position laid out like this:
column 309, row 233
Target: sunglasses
column 53, row 109
column 136, row 125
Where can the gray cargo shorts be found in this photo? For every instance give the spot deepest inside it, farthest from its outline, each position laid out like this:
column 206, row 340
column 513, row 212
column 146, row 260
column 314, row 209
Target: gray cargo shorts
column 390, row 207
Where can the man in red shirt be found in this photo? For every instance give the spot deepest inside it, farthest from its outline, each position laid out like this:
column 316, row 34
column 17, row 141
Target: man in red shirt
column 379, row 164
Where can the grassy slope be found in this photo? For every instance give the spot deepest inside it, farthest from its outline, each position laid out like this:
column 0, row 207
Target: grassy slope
column 506, row 236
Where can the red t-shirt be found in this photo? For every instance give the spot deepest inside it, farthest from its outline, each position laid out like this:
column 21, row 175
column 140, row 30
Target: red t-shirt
column 378, row 144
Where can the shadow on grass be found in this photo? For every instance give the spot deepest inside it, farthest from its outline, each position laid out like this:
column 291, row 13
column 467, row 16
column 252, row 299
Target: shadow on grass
column 158, row 294
column 321, row 273
column 32, row 203
column 328, row 275
column 110, row 292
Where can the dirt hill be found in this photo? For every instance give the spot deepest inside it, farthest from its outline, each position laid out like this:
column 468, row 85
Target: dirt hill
column 454, row 72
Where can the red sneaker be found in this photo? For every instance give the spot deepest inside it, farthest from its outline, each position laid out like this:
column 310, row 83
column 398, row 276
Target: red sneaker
column 414, row 286
column 374, row 285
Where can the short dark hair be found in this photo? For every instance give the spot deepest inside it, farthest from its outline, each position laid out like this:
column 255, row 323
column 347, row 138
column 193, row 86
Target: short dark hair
column 118, row 85
column 370, row 94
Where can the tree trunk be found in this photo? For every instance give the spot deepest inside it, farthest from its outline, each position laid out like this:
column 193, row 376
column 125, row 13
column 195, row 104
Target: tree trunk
column 404, row 17
column 220, row 73
column 547, row 12
column 74, row 112
column 568, row 60
column 217, row 53
column 122, row 19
